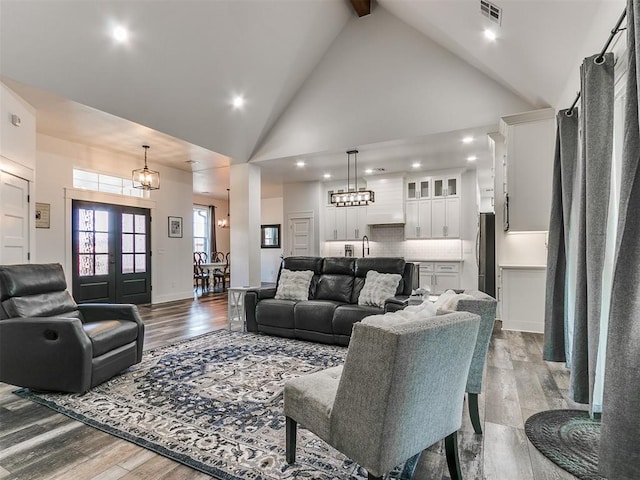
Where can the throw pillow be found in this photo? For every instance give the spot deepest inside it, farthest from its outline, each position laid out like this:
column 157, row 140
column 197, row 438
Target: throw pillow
column 426, row 308
column 378, row 287
column 294, row 284
column 387, row 320
column 449, row 300
column 444, row 298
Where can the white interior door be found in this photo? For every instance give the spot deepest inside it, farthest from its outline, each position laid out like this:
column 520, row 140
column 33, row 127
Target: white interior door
column 14, row 219
column 300, row 236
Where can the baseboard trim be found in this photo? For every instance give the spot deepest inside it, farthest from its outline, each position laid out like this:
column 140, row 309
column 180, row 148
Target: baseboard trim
column 172, row 297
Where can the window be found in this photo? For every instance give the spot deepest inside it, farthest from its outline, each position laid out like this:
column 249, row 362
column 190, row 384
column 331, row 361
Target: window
column 201, row 229
column 105, row 183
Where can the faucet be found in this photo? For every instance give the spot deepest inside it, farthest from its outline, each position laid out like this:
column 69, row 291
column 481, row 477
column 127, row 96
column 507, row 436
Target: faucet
column 363, row 240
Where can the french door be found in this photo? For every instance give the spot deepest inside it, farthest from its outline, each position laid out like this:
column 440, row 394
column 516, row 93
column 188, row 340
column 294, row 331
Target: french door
column 111, row 253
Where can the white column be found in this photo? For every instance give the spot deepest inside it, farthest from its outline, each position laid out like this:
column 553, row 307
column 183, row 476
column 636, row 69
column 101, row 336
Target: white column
column 244, row 212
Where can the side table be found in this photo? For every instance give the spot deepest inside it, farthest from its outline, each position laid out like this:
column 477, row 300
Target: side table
column 236, row 313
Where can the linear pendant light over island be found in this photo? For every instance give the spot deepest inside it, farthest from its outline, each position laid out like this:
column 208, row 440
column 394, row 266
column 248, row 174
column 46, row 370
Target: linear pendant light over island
column 352, row 197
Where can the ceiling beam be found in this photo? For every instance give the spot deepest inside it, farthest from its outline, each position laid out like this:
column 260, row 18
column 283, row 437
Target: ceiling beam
column 362, row 7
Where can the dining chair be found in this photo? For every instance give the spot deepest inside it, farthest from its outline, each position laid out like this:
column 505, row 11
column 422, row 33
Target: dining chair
column 227, row 268
column 199, row 273
column 218, row 273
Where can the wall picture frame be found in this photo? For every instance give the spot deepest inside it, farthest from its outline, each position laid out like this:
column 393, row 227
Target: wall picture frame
column 270, row 236
column 175, row 227
column 43, row 215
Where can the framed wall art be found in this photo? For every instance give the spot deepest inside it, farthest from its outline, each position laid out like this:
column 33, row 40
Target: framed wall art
column 43, row 215
column 175, row 227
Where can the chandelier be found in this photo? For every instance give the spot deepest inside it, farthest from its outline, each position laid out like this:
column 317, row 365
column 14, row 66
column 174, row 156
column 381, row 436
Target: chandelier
column 143, row 178
column 224, row 222
column 352, row 197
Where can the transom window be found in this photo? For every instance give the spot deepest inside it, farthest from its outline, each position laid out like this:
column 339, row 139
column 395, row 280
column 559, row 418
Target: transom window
column 100, row 182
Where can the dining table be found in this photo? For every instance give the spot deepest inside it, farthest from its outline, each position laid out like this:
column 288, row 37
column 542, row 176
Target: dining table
column 212, row 267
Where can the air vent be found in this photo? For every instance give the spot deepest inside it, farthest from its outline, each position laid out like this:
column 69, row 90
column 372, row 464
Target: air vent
column 491, row 11
column 377, row 170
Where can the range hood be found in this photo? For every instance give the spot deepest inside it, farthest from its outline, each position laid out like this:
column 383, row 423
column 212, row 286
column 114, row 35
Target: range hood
column 388, row 208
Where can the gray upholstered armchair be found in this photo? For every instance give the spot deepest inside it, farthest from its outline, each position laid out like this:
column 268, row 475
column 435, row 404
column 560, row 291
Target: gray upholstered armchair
column 400, row 390
column 48, row 342
column 485, row 306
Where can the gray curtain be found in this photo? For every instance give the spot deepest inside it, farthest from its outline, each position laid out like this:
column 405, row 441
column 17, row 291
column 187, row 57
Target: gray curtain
column 564, row 166
column 597, row 148
column 214, row 243
column 619, row 451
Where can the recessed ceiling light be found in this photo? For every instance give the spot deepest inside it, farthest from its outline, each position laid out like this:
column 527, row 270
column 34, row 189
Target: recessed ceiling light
column 238, row 101
column 368, row 171
column 327, row 175
column 299, row 163
column 120, row 34
column 416, row 165
column 467, row 140
column 490, row 35
column 472, row 158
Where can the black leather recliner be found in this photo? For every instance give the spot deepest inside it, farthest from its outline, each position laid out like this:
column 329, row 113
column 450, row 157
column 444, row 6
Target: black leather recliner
column 48, row 342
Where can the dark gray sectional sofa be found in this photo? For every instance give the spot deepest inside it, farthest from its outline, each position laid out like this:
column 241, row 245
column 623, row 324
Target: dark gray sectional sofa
column 332, row 308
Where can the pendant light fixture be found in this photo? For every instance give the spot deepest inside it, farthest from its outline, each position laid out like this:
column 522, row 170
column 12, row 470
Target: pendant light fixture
column 224, row 222
column 352, row 197
column 143, row 178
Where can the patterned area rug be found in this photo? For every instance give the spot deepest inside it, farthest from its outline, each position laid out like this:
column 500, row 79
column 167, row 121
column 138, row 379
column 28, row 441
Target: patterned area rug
column 214, row 403
column 569, row 438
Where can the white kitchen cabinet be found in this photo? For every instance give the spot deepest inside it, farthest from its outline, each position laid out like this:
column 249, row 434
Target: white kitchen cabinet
column 335, row 223
column 445, row 217
column 345, row 223
column 417, row 188
column 356, row 223
column 440, row 276
column 417, row 219
column 446, row 186
column 432, row 205
column 521, row 297
column 528, row 168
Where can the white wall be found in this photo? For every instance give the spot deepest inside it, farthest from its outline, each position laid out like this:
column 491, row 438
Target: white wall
column 245, row 224
column 272, row 213
column 17, row 143
column 383, row 80
column 18, row 151
column 171, row 263
column 603, row 22
column 303, row 197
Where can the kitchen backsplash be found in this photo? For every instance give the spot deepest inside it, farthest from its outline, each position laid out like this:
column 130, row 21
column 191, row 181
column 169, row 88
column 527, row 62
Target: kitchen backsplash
column 388, row 241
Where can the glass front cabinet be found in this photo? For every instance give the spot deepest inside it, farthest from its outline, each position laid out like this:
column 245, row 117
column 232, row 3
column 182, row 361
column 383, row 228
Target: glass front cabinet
column 417, row 188
column 446, row 186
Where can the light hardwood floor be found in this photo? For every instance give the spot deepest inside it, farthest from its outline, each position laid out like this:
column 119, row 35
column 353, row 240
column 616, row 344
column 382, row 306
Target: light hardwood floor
column 36, row 443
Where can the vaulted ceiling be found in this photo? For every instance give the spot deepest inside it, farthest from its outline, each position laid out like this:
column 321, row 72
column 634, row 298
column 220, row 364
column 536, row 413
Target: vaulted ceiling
column 402, row 83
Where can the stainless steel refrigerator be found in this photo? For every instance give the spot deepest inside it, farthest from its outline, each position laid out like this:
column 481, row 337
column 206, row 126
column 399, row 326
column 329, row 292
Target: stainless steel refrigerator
column 486, row 253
